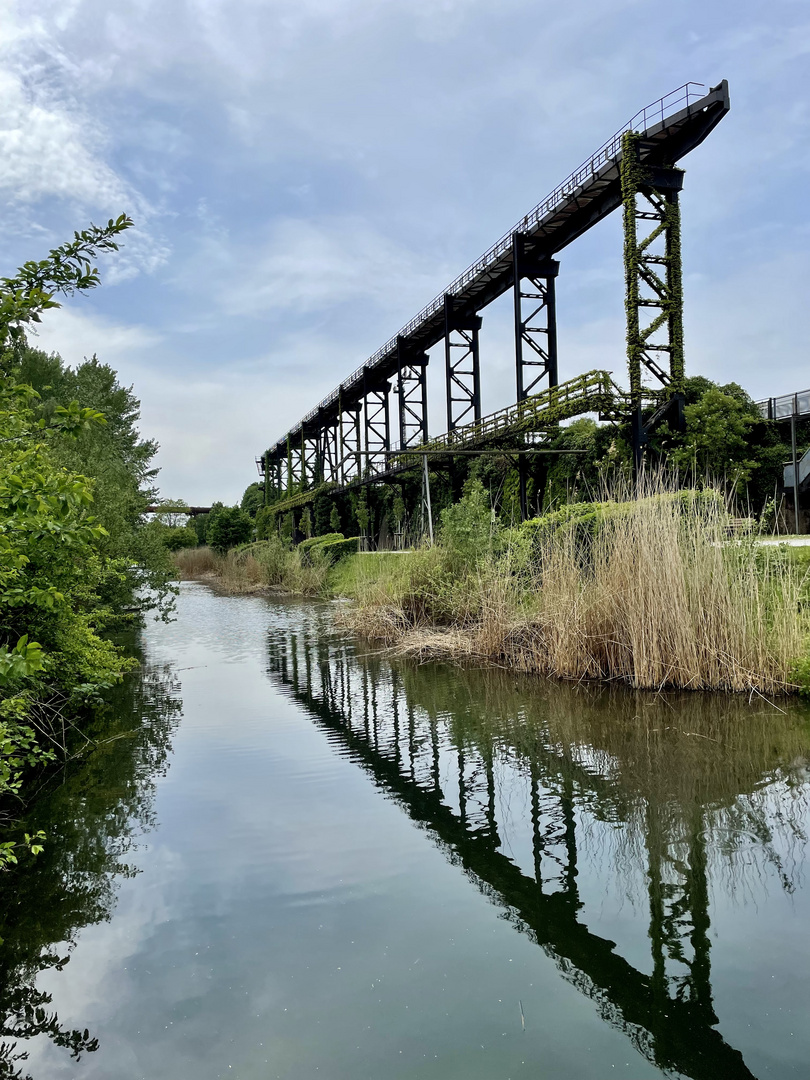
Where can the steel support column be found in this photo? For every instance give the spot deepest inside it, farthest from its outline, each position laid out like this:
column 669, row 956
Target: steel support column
column 462, row 365
column 377, row 425
column 330, row 456
column 653, row 282
column 412, row 392
column 536, row 321
column 349, row 445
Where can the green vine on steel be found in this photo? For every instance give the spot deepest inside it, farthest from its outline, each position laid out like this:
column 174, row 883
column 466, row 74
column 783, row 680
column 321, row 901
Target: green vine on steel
column 634, row 178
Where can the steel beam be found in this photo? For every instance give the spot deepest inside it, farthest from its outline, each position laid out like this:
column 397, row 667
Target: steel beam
column 535, row 321
column 412, row 392
column 330, row 453
column 462, row 365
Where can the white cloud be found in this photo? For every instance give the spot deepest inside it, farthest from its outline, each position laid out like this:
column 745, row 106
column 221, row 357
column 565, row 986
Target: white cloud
column 309, row 265
column 77, row 335
column 53, row 147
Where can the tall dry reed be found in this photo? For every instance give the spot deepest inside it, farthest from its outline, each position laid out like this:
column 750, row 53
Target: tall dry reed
column 267, row 564
column 654, row 594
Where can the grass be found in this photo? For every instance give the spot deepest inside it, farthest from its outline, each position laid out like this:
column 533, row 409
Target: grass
column 654, row 595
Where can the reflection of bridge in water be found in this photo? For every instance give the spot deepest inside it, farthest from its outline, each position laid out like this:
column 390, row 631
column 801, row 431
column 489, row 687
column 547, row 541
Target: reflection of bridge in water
column 457, row 786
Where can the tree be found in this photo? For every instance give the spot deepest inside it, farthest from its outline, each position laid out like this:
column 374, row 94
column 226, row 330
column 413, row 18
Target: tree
column 178, row 537
column 334, row 518
column 253, row 499
column 717, row 442
column 52, row 565
column 229, row 526
column 119, row 463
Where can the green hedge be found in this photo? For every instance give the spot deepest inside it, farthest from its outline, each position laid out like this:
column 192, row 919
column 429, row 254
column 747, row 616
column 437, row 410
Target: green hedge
column 316, row 541
column 336, row 549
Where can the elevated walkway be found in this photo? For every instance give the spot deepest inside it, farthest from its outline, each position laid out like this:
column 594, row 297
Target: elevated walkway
column 593, row 392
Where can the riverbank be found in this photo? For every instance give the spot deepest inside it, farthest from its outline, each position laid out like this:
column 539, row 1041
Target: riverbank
column 649, row 591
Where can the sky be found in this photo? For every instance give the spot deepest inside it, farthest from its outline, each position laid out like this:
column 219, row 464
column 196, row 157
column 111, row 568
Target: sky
column 305, row 175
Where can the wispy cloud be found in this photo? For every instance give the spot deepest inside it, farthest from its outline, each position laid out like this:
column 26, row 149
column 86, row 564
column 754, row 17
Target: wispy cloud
column 306, row 174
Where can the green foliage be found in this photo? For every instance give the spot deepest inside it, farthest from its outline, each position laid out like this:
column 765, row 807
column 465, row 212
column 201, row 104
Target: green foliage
column 469, row 527
column 336, row 549
column 361, row 511
column 253, row 499
column 199, row 524
column 67, row 269
column 316, row 541
column 74, row 480
column 266, row 523
column 334, row 519
column 305, row 524
column 321, row 510
column 110, row 453
column 228, row 527
column 800, row 675
column 718, row 429
column 179, row 537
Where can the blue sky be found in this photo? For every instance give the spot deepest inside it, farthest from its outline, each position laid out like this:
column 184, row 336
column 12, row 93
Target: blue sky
column 306, row 174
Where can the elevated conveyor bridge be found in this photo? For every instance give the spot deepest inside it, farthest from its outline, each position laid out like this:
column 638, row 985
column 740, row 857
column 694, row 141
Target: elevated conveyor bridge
column 351, row 438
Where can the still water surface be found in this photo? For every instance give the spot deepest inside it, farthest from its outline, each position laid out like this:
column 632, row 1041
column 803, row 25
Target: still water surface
column 296, row 858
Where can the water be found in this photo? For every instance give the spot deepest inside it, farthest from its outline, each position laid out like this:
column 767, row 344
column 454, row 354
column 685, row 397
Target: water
column 294, row 858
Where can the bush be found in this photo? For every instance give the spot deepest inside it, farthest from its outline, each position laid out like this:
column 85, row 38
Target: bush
column 469, row 527
column 334, row 550
column 315, row 541
column 229, row 526
column 184, row 536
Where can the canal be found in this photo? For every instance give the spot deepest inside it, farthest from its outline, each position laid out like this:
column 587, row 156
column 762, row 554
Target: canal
column 292, row 856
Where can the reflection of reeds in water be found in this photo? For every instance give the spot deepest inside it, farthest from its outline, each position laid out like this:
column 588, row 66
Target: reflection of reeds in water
column 657, row 597
column 665, row 767
column 558, row 799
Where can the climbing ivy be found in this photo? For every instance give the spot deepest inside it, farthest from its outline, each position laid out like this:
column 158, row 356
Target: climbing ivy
column 634, row 177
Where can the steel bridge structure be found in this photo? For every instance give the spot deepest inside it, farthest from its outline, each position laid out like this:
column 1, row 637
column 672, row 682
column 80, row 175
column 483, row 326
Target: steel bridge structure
column 357, row 435
column 457, row 790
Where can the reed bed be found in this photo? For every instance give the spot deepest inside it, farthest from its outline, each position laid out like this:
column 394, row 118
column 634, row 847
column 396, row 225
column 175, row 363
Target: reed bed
column 656, row 596
column 255, row 568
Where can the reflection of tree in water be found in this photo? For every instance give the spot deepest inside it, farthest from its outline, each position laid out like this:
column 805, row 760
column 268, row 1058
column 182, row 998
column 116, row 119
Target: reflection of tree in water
column 672, row 789
column 93, row 814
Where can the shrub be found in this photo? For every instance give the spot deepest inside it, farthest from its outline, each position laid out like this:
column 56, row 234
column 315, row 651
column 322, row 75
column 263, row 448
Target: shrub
column 469, row 527
column 229, row 526
column 334, row 550
column 184, row 536
column 316, row 541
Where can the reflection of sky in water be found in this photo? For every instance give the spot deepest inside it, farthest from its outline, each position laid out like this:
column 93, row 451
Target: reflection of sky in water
column 291, row 919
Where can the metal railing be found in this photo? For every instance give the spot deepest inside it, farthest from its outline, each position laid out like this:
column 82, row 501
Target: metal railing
column 785, row 406
column 610, row 150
